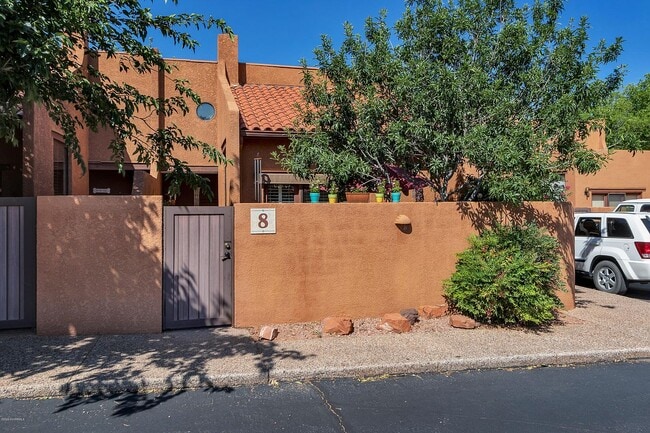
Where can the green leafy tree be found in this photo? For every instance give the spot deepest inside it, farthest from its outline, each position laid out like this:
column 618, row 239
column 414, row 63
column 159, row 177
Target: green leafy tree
column 45, row 46
column 627, row 117
column 348, row 110
column 482, row 97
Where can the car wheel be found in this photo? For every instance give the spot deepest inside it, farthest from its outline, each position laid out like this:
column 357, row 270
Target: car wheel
column 608, row 278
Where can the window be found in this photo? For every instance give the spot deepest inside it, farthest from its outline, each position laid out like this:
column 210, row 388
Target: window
column 205, row 111
column 646, row 223
column 588, row 226
column 280, row 193
column 61, row 180
column 611, row 199
column 618, row 228
column 626, row 208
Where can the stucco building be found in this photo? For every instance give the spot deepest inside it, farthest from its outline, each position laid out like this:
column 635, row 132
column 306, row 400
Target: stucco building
column 246, row 112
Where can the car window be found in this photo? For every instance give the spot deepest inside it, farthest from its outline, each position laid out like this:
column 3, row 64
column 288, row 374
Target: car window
column 646, row 223
column 588, row 226
column 645, row 208
column 625, row 208
column 619, row 228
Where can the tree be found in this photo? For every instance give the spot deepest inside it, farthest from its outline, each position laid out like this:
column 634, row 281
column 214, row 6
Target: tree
column 482, row 97
column 44, row 48
column 348, row 107
column 627, row 117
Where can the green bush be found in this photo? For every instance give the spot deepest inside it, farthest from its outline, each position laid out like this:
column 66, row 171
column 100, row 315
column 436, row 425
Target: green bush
column 508, row 275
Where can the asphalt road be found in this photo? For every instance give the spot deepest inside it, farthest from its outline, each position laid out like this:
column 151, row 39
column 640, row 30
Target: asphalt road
column 596, row 398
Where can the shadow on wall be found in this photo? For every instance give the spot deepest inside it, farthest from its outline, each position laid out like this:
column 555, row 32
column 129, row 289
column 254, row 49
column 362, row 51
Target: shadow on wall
column 99, row 264
column 485, row 215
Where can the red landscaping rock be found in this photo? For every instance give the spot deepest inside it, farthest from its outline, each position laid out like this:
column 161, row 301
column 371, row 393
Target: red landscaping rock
column 394, row 322
column 337, row 325
column 432, row 311
column 463, row 322
column 268, row 333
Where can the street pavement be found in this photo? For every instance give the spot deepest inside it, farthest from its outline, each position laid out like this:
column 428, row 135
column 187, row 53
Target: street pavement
column 602, row 328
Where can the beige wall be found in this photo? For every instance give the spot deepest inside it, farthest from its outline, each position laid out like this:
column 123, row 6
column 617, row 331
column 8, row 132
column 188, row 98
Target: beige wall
column 99, row 264
column 351, row 259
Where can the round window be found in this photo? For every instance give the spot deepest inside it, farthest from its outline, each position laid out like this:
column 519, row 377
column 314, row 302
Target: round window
column 205, row 111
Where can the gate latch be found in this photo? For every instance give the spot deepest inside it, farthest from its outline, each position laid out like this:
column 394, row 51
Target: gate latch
column 226, row 253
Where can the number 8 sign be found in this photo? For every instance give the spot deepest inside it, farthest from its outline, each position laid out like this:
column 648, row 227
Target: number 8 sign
column 262, row 221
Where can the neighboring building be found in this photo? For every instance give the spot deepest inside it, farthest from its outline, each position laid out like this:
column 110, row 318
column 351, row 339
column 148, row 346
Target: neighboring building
column 246, row 112
column 626, row 176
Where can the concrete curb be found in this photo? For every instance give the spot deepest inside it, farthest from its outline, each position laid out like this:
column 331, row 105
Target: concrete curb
column 226, row 381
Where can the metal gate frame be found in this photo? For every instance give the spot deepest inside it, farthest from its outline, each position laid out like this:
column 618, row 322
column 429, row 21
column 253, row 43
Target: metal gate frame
column 226, row 257
column 24, row 260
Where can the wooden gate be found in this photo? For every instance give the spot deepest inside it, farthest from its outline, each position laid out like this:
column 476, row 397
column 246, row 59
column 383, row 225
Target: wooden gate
column 17, row 263
column 198, row 251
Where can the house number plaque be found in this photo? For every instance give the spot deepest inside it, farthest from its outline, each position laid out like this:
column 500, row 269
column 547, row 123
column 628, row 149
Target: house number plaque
column 262, row 221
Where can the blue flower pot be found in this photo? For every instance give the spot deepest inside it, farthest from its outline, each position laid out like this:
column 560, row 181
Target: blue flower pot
column 395, row 196
column 314, row 197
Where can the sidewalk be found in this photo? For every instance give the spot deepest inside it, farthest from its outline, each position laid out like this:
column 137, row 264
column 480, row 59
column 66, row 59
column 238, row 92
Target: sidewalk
column 602, row 328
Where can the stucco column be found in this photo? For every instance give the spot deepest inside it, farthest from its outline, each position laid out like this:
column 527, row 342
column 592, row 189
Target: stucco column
column 38, row 155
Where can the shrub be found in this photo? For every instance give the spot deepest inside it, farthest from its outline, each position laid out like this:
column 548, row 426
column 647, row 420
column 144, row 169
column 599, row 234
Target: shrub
column 508, row 275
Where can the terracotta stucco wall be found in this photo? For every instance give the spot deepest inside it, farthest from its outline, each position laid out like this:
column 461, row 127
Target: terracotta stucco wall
column 624, row 171
column 99, row 265
column 251, row 73
column 38, row 154
column 351, row 259
column 202, row 78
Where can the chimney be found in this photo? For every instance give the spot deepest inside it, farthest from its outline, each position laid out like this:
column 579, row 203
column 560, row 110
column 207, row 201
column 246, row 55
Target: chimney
column 228, row 53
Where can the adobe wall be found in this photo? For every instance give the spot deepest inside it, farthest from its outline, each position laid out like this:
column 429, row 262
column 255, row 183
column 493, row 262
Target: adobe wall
column 252, row 73
column 624, row 171
column 352, row 259
column 202, row 78
column 99, row 265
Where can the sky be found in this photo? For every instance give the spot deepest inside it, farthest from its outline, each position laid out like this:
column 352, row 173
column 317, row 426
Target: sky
column 282, row 32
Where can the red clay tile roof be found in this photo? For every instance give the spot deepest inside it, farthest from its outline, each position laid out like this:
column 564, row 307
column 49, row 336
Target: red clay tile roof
column 267, row 107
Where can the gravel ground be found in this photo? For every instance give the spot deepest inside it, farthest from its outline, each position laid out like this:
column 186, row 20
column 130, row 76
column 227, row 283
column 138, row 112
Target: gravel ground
column 368, row 326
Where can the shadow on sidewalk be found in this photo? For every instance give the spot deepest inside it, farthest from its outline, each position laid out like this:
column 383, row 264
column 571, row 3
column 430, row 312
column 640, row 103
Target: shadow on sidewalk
column 99, row 367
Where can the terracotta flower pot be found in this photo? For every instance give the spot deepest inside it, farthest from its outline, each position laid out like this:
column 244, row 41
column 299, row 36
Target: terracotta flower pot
column 357, row 197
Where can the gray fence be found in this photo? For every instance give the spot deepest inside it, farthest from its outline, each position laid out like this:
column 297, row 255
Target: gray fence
column 17, row 262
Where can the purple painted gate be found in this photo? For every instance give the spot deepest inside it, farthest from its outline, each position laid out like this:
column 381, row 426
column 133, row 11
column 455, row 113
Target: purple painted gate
column 198, row 251
column 17, row 263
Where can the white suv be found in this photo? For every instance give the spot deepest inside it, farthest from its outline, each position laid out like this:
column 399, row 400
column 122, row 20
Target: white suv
column 613, row 249
column 638, row 205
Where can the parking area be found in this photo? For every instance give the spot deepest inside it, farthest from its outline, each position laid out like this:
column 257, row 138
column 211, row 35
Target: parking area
column 636, row 291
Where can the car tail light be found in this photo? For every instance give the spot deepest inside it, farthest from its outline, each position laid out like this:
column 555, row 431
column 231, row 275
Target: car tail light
column 643, row 248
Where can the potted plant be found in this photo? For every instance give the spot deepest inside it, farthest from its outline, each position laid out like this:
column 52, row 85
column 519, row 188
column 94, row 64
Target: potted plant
column 314, row 191
column 332, row 193
column 395, row 191
column 357, row 193
column 381, row 191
